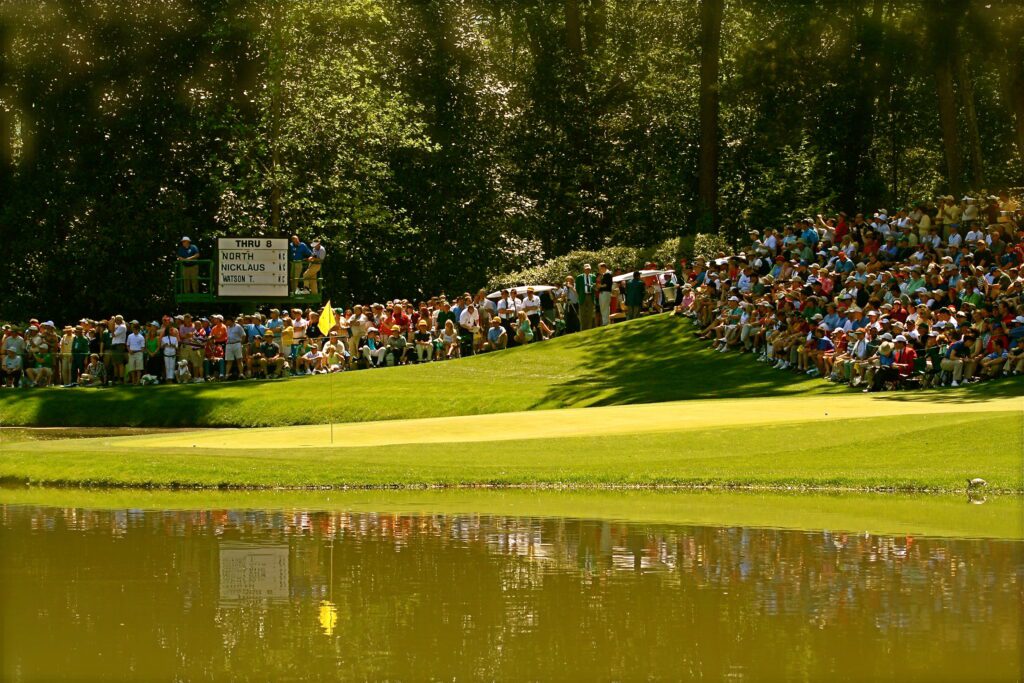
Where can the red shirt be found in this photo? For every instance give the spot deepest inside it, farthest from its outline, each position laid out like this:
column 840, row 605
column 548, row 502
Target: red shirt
column 903, row 360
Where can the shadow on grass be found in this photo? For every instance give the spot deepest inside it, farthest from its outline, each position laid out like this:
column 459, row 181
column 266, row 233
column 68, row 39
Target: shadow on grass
column 1007, row 387
column 112, row 407
column 660, row 359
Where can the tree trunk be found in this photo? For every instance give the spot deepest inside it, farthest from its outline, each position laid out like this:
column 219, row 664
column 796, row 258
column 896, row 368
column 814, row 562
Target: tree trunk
column 1013, row 83
column 707, row 167
column 947, row 121
column 276, row 57
column 865, row 55
column 973, row 137
column 573, row 27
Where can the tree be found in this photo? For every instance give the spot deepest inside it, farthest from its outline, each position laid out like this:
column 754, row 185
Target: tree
column 710, row 56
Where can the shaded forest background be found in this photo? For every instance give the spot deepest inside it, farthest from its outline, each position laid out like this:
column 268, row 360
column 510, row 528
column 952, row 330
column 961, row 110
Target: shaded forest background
column 435, row 143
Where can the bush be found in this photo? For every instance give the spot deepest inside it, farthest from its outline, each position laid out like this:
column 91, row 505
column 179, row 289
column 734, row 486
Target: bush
column 620, row 258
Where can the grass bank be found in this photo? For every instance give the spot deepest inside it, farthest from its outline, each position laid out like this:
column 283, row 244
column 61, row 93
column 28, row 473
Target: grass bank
column 643, row 361
column 927, row 447
column 942, row 516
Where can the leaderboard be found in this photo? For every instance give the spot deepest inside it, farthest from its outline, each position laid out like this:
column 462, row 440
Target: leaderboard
column 252, row 267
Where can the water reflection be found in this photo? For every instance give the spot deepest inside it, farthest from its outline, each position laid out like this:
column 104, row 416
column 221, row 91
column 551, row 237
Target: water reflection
column 300, row 595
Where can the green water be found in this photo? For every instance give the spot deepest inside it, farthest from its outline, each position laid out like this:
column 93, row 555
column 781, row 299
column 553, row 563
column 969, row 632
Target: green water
column 280, row 593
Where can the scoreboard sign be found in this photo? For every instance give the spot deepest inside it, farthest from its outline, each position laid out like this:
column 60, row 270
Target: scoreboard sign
column 252, row 267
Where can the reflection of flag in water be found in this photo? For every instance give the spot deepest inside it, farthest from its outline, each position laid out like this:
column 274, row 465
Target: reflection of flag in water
column 327, row 319
column 328, row 616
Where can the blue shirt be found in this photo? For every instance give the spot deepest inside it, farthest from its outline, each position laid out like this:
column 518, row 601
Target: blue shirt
column 186, row 252
column 298, row 252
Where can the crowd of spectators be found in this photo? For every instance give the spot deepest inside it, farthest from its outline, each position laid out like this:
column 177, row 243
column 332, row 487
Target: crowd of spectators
column 279, row 343
column 928, row 295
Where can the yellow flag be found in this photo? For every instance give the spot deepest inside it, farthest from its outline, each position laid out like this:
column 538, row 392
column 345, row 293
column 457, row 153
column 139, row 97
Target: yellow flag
column 327, row 319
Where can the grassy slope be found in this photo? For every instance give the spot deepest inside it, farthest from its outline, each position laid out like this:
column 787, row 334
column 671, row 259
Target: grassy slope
column 644, row 361
column 934, row 452
column 999, row 517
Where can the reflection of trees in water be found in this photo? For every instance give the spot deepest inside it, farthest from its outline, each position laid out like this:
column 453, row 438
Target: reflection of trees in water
column 510, row 597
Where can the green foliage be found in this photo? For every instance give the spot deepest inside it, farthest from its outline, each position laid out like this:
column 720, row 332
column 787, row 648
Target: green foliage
column 433, row 143
column 555, row 270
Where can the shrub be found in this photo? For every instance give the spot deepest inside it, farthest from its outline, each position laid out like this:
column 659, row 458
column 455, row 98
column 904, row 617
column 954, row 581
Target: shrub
column 621, row 258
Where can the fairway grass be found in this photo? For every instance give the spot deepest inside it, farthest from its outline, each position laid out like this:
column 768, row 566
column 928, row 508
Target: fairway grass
column 643, row 361
column 863, row 443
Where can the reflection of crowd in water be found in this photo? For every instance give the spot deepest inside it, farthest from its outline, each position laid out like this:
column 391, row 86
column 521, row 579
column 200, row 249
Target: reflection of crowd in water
column 712, row 555
column 326, row 585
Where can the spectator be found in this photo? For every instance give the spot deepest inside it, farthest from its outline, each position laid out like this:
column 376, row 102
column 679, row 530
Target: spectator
column 299, row 254
column 12, row 368
column 314, row 261
column 635, row 293
column 585, row 290
column 188, row 253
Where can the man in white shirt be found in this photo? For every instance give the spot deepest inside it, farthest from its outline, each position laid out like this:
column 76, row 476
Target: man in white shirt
column 955, row 240
column 136, row 353
column 357, row 326
column 469, row 326
column 313, row 269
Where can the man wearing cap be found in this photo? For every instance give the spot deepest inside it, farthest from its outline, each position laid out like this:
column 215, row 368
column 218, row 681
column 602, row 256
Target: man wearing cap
column 269, row 361
column 398, row 346
column 314, row 261
column 187, row 253
column 586, row 285
column 901, row 367
column 371, row 351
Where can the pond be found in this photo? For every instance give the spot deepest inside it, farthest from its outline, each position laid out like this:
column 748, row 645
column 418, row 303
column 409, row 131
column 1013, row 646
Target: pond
column 95, row 588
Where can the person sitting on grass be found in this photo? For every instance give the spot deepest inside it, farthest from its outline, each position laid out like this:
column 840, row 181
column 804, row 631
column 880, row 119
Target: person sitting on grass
column 397, row 346
column 497, row 338
column 900, row 367
column 270, row 361
column 371, row 351
column 424, row 341
column 213, row 359
column 309, row 360
column 335, row 357
column 449, row 341
column 524, row 331
column 95, row 374
column 12, row 368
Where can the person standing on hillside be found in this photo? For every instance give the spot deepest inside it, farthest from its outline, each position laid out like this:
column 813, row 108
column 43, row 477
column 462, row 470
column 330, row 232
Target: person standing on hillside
column 585, row 290
column 636, row 290
column 604, row 292
column 234, row 356
column 136, row 345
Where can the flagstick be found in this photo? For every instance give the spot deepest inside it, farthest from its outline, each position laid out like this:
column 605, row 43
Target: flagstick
column 332, row 408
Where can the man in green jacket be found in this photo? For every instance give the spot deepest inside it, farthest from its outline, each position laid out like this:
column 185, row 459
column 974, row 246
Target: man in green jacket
column 635, row 293
column 585, row 283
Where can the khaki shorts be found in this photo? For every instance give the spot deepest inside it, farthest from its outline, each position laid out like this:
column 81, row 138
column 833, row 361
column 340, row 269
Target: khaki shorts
column 233, row 351
column 136, row 362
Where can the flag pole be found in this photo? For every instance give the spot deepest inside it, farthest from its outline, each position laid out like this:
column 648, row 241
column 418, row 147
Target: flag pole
column 332, row 407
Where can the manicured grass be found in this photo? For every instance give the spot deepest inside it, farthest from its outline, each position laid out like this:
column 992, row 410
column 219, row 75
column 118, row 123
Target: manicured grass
column 643, row 361
column 887, row 514
column 925, row 452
